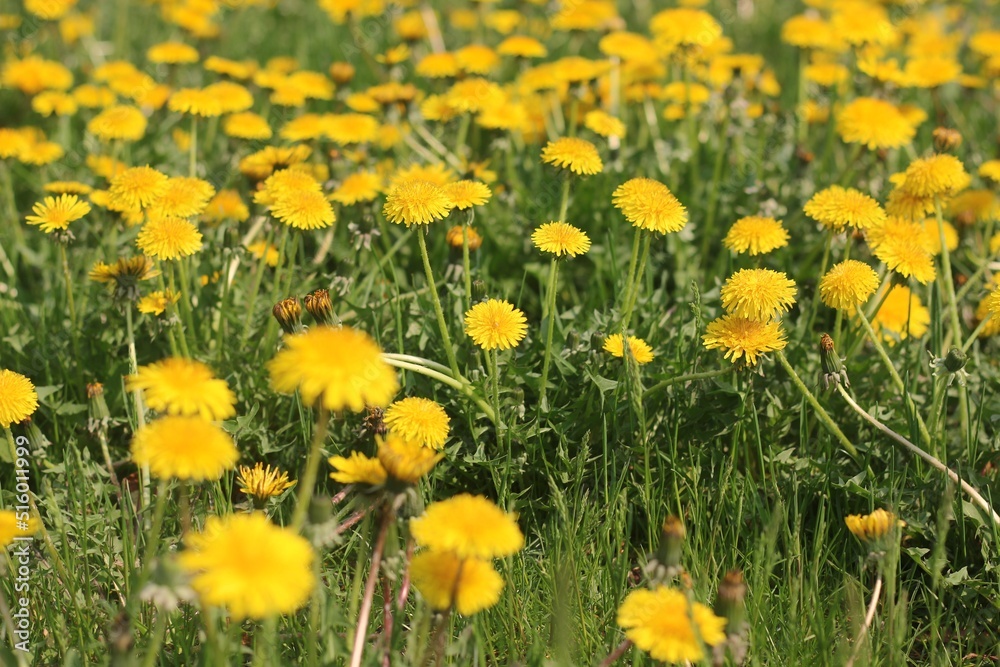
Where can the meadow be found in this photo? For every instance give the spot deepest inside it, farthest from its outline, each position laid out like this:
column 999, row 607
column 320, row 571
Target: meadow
column 357, row 332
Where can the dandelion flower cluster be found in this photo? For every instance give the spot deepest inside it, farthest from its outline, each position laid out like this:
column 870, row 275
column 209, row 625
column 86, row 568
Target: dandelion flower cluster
column 18, row 399
column 187, row 448
column 561, row 238
column 416, row 202
column 495, row 325
column 179, row 386
column 744, row 338
column 848, row 285
column 420, row 420
column 578, row 155
column 664, row 624
column 756, row 235
column 650, row 205
column 836, row 207
column 759, row 294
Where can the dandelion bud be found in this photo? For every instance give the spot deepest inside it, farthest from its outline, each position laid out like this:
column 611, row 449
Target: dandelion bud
column 946, row 139
column 874, row 529
column 951, row 366
column 478, row 289
column 834, row 371
column 36, row 439
column 729, row 604
column 671, row 541
column 341, row 72
column 98, row 414
column 320, row 307
column 288, row 312
column 955, row 361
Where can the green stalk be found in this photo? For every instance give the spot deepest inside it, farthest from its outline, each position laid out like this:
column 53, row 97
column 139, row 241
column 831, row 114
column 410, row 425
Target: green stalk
column 633, row 263
column 258, row 277
column 69, row 286
column 822, row 414
column 438, row 312
column 153, row 650
column 462, row 384
column 193, row 154
column 550, row 328
column 630, row 306
column 466, row 263
column 182, row 312
column 140, row 411
column 975, row 334
column 896, row 380
column 977, row 498
column 153, row 539
column 679, row 379
column 564, row 202
column 308, row 479
column 952, row 304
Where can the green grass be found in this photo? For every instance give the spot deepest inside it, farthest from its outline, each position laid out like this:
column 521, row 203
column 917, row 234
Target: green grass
column 739, row 454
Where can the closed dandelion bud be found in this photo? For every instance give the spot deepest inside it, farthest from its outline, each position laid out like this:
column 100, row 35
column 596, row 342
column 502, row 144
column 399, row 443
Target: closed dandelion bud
column 951, row 367
column 98, row 414
column 320, row 307
column 478, row 289
column 834, row 371
column 341, row 72
column 729, row 603
column 955, row 361
column 288, row 312
column 320, row 510
column 36, row 439
column 946, row 139
column 666, row 562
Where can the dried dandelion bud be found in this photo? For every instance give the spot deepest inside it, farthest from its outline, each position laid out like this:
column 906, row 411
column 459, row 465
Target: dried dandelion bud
column 98, row 414
column 341, row 72
column 320, row 307
column 729, row 604
column 665, row 564
column 288, row 312
column 946, row 139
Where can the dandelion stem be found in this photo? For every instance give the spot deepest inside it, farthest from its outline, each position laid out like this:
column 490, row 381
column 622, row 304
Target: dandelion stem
column 153, row 538
column 257, row 278
column 564, row 201
column 193, row 154
column 461, row 384
column 917, row 451
column 550, row 328
column 466, row 263
column 896, row 380
column 636, row 283
column 69, row 287
column 633, row 263
column 975, row 334
column 869, row 617
column 956, row 326
column 438, row 312
column 822, row 414
column 308, row 479
column 679, row 379
column 140, row 411
column 181, row 311
column 619, row 651
column 361, row 631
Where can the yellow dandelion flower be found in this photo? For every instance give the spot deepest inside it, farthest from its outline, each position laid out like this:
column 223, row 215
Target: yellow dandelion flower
column 156, row 303
column 836, row 207
column 743, row 338
column 225, row 205
column 902, row 246
column 992, row 326
column 136, row 187
column 179, row 386
column 993, row 303
column 469, row 527
column 907, row 205
column 415, row 202
column 404, row 460
column 351, row 128
column 54, row 102
column 357, row 469
column 685, row 26
column 650, row 205
column 560, row 238
column 263, row 249
column 495, row 325
column 640, row 349
column 578, row 155
column 522, row 46
column 974, row 206
column 438, row 65
column 447, row 581
column 874, row 123
column 848, row 285
column 12, row 526
column 303, row 209
column 901, row 315
column 990, row 170
column 932, row 240
column 664, row 624
column 873, row 527
column 358, row 187
column 188, row 448
column 68, row 188
column 246, row 125
column 337, row 368
column 49, row 10
column 758, row 294
column 473, row 94
column 604, row 124
column 262, row 483
column 172, row 53
column 183, row 197
column 169, row 238
column 935, row 176
column 456, row 234
column 248, row 565
column 124, row 275
column 419, row 420
column 436, row 173
column 756, row 235
column 466, row 194
column 55, row 213
column 18, row 399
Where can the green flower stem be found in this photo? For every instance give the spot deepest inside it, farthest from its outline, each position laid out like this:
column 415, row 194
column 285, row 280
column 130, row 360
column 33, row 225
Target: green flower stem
column 869, row 617
column 463, row 133
column 976, row 497
column 713, row 198
column 159, row 630
column 193, row 154
column 140, row 410
column 69, row 286
column 564, row 200
column 974, row 278
column 822, row 414
column 171, row 281
column 692, row 125
column 550, row 328
column 308, row 480
column 153, row 538
column 956, row 326
column 361, row 631
column 814, row 307
column 636, row 284
column 975, row 334
column 680, row 379
column 574, row 112
column 263, row 652
column 257, row 278
column 633, row 263
column 466, row 263
column 449, row 349
column 462, row 385
column 896, row 380
column 422, row 362
column 495, row 357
